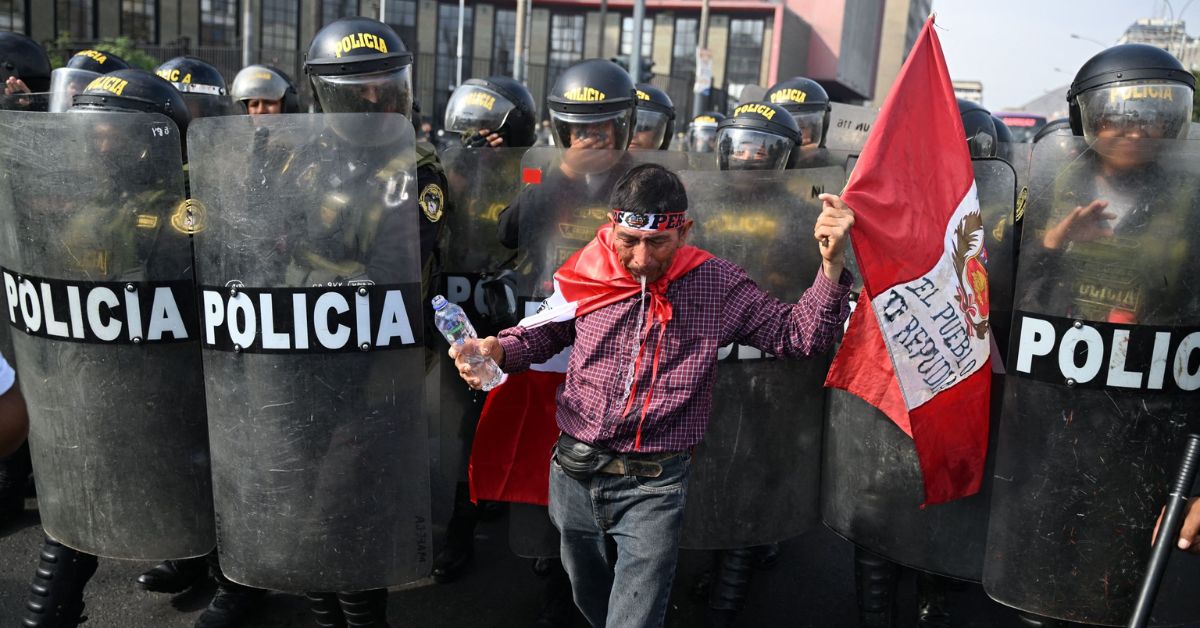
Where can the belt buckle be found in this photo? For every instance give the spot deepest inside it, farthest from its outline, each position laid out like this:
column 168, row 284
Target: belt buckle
column 643, row 468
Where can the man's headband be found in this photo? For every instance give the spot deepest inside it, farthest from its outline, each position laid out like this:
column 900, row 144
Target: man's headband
column 648, row 222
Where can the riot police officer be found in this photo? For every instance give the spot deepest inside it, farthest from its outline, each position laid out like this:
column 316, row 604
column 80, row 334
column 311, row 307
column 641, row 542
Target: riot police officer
column 1111, row 240
column 56, row 596
column 495, row 111
column 592, row 117
column 358, row 64
column 263, row 89
column 25, row 68
column 980, row 128
column 81, row 69
column 201, row 84
column 808, row 103
column 655, row 119
column 702, row 132
column 758, row 136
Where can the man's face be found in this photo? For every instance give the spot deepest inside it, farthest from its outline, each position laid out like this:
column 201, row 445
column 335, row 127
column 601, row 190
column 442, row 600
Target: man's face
column 643, row 140
column 262, row 106
column 648, row 253
column 753, row 155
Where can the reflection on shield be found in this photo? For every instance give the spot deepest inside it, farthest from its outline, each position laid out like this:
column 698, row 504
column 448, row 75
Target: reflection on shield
column 1101, row 378
column 872, row 488
column 309, row 282
column 756, row 476
column 102, row 303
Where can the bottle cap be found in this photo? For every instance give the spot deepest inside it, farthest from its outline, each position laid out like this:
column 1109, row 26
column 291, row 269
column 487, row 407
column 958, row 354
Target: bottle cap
column 439, row 302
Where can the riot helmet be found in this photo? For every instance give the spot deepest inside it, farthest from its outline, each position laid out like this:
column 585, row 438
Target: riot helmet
column 81, row 69
column 136, row 91
column 1131, row 91
column 265, row 83
column 201, row 84
column 498, row 104
column 702, row 132
column 1053, row 127
column 593, row 105
column 758, row 136
column 357, row 64
column 980, row 130
column 23, row 58
column 1004, row 139
column 808, row 103
column 655, row 119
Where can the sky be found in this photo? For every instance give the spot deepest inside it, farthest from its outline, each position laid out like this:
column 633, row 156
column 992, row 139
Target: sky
column 1021, row 49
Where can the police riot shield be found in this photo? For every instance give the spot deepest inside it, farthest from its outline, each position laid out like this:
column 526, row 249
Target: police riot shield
column 849, row 126
column 563, row 201
column 756, row 476
column 307, row 260
column 872, row 488
column 477, row 275
column 1101, row 378
column 97, row 275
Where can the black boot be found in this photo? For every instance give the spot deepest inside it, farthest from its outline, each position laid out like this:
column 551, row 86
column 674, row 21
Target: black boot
column 453, row 560
column 931, row 601
column 56, row 595
column 15, row 471
column 364, row 609
column 231, row 603
column 875, row 583
column 326, row 610
column 559, row 610
column 733, row 571
column 173, row 576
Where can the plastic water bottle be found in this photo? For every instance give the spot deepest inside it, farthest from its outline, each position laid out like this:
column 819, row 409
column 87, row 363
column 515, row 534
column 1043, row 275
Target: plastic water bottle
column 452, row 321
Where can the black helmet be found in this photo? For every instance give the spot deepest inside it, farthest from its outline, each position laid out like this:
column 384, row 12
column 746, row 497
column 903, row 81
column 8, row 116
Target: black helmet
column 979, row 128
column 593, row 100
column 808, row 103
column 702, row 132
column 498, row 104
column 81, row 69
column 263, row 82
column 357, row 64
column 758, row 136
column 1004, row 139
column 1132, row 87
column 655, row 118
column 201, row 84
column 1060, row 125
column 134, row 90
column 23, row 58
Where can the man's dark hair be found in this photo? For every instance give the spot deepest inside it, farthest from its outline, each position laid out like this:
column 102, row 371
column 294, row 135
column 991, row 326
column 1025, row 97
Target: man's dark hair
column 649, row 189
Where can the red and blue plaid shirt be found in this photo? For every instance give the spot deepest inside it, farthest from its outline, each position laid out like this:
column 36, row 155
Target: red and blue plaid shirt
column 714, row 305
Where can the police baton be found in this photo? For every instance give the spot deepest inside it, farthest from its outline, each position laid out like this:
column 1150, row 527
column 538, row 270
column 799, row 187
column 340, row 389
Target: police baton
column 1168, row 533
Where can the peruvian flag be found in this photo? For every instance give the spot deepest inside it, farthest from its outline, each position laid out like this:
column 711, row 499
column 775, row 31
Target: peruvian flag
column 918, row 344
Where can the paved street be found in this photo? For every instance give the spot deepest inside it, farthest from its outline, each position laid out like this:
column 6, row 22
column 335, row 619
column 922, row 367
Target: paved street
column 811, row 587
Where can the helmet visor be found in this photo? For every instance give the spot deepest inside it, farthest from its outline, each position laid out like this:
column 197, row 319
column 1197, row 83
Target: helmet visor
column 380, row 92
column 472, row 108
column 812, row 126
column 65, row 83
column 702, row 138
column 650, row 130
column 610, row 130
column 1135, row 110
column 752, row 149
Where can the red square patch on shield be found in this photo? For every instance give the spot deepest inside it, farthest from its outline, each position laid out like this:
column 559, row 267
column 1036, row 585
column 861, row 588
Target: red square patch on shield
column 531, row 176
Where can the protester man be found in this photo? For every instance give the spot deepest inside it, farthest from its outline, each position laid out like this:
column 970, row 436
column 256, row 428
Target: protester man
column 639, row 383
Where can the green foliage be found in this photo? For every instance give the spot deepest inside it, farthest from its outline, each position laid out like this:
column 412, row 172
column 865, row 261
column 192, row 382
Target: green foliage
column 1196, row 99
column 64, row 46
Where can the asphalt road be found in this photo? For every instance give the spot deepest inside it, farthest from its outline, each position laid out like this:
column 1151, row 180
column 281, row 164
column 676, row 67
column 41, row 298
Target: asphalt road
column 812, row 586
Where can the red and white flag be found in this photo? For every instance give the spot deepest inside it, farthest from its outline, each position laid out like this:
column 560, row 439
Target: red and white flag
column 918, row 344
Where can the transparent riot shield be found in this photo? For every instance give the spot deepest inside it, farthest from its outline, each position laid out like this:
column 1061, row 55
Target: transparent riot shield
column 872, row 488
column 756, row 476
column 308, row 268
column 24, row 101
column 563, row 201
column 477, row 275
column 849, row 126
column 97, row 274
column 1101, row 380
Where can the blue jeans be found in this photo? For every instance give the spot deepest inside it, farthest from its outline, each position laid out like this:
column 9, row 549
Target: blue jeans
column 620, row 541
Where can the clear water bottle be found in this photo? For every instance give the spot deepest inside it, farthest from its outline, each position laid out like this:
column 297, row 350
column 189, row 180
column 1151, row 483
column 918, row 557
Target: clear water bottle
column 452, row 321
